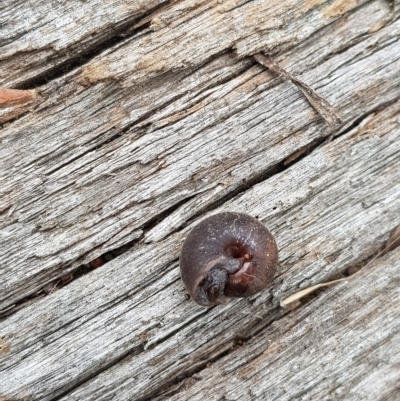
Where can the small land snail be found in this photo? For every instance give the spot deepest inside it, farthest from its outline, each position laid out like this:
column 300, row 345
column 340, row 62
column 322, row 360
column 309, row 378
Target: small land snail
column 227, row 255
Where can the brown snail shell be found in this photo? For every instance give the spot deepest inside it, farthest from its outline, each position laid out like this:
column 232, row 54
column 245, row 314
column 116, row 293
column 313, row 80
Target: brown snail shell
column 227, row 255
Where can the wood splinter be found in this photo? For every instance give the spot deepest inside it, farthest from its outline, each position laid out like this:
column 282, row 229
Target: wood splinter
column 15, row 97
column 321, row 105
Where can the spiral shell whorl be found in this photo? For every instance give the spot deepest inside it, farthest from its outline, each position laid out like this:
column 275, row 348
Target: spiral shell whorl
column 227, row 255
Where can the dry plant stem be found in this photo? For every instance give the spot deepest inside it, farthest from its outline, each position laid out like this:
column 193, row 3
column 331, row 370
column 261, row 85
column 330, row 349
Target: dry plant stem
column 14, row 97
column 322, row 106
column 300, row 294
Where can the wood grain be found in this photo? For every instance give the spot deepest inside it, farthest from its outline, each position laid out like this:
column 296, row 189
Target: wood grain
column 323, row 351
column 152, row 115
column 97, row 165
column 133, row 317
column 37, row 37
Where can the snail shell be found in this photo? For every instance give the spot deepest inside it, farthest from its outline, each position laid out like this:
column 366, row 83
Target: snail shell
column 227, row 255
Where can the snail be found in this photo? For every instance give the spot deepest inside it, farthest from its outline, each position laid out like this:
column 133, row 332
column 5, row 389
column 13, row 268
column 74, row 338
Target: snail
column 227, row 255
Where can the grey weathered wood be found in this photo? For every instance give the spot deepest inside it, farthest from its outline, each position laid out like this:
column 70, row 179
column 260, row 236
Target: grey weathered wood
column 323, row 351
column 139, row 143
column 136, row 309
column 38, row 36
column 97, row 164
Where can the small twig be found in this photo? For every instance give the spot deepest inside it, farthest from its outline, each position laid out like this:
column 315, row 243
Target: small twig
column 321, row 105
column 15, row 97
column 300, row 294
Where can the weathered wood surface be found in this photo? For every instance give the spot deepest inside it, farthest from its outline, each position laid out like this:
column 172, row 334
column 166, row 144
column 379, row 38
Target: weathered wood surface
column 323, row 351
column 163, row 128
column 37, row 37
column 95, row 165
column 135, row 310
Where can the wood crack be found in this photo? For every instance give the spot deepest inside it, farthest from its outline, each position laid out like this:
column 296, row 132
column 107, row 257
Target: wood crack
column 352, row 125
column 103, row 368
column 173, row 384
column 83, row 269
column 280, row 167
column 174, row 138
column 121, row 33
column 278, row 313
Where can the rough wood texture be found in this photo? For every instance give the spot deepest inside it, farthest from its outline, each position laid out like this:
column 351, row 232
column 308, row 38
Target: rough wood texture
column 137, row 311
column 143, row 137
column 323, row 351
column 95, row 165
column 37, row 37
